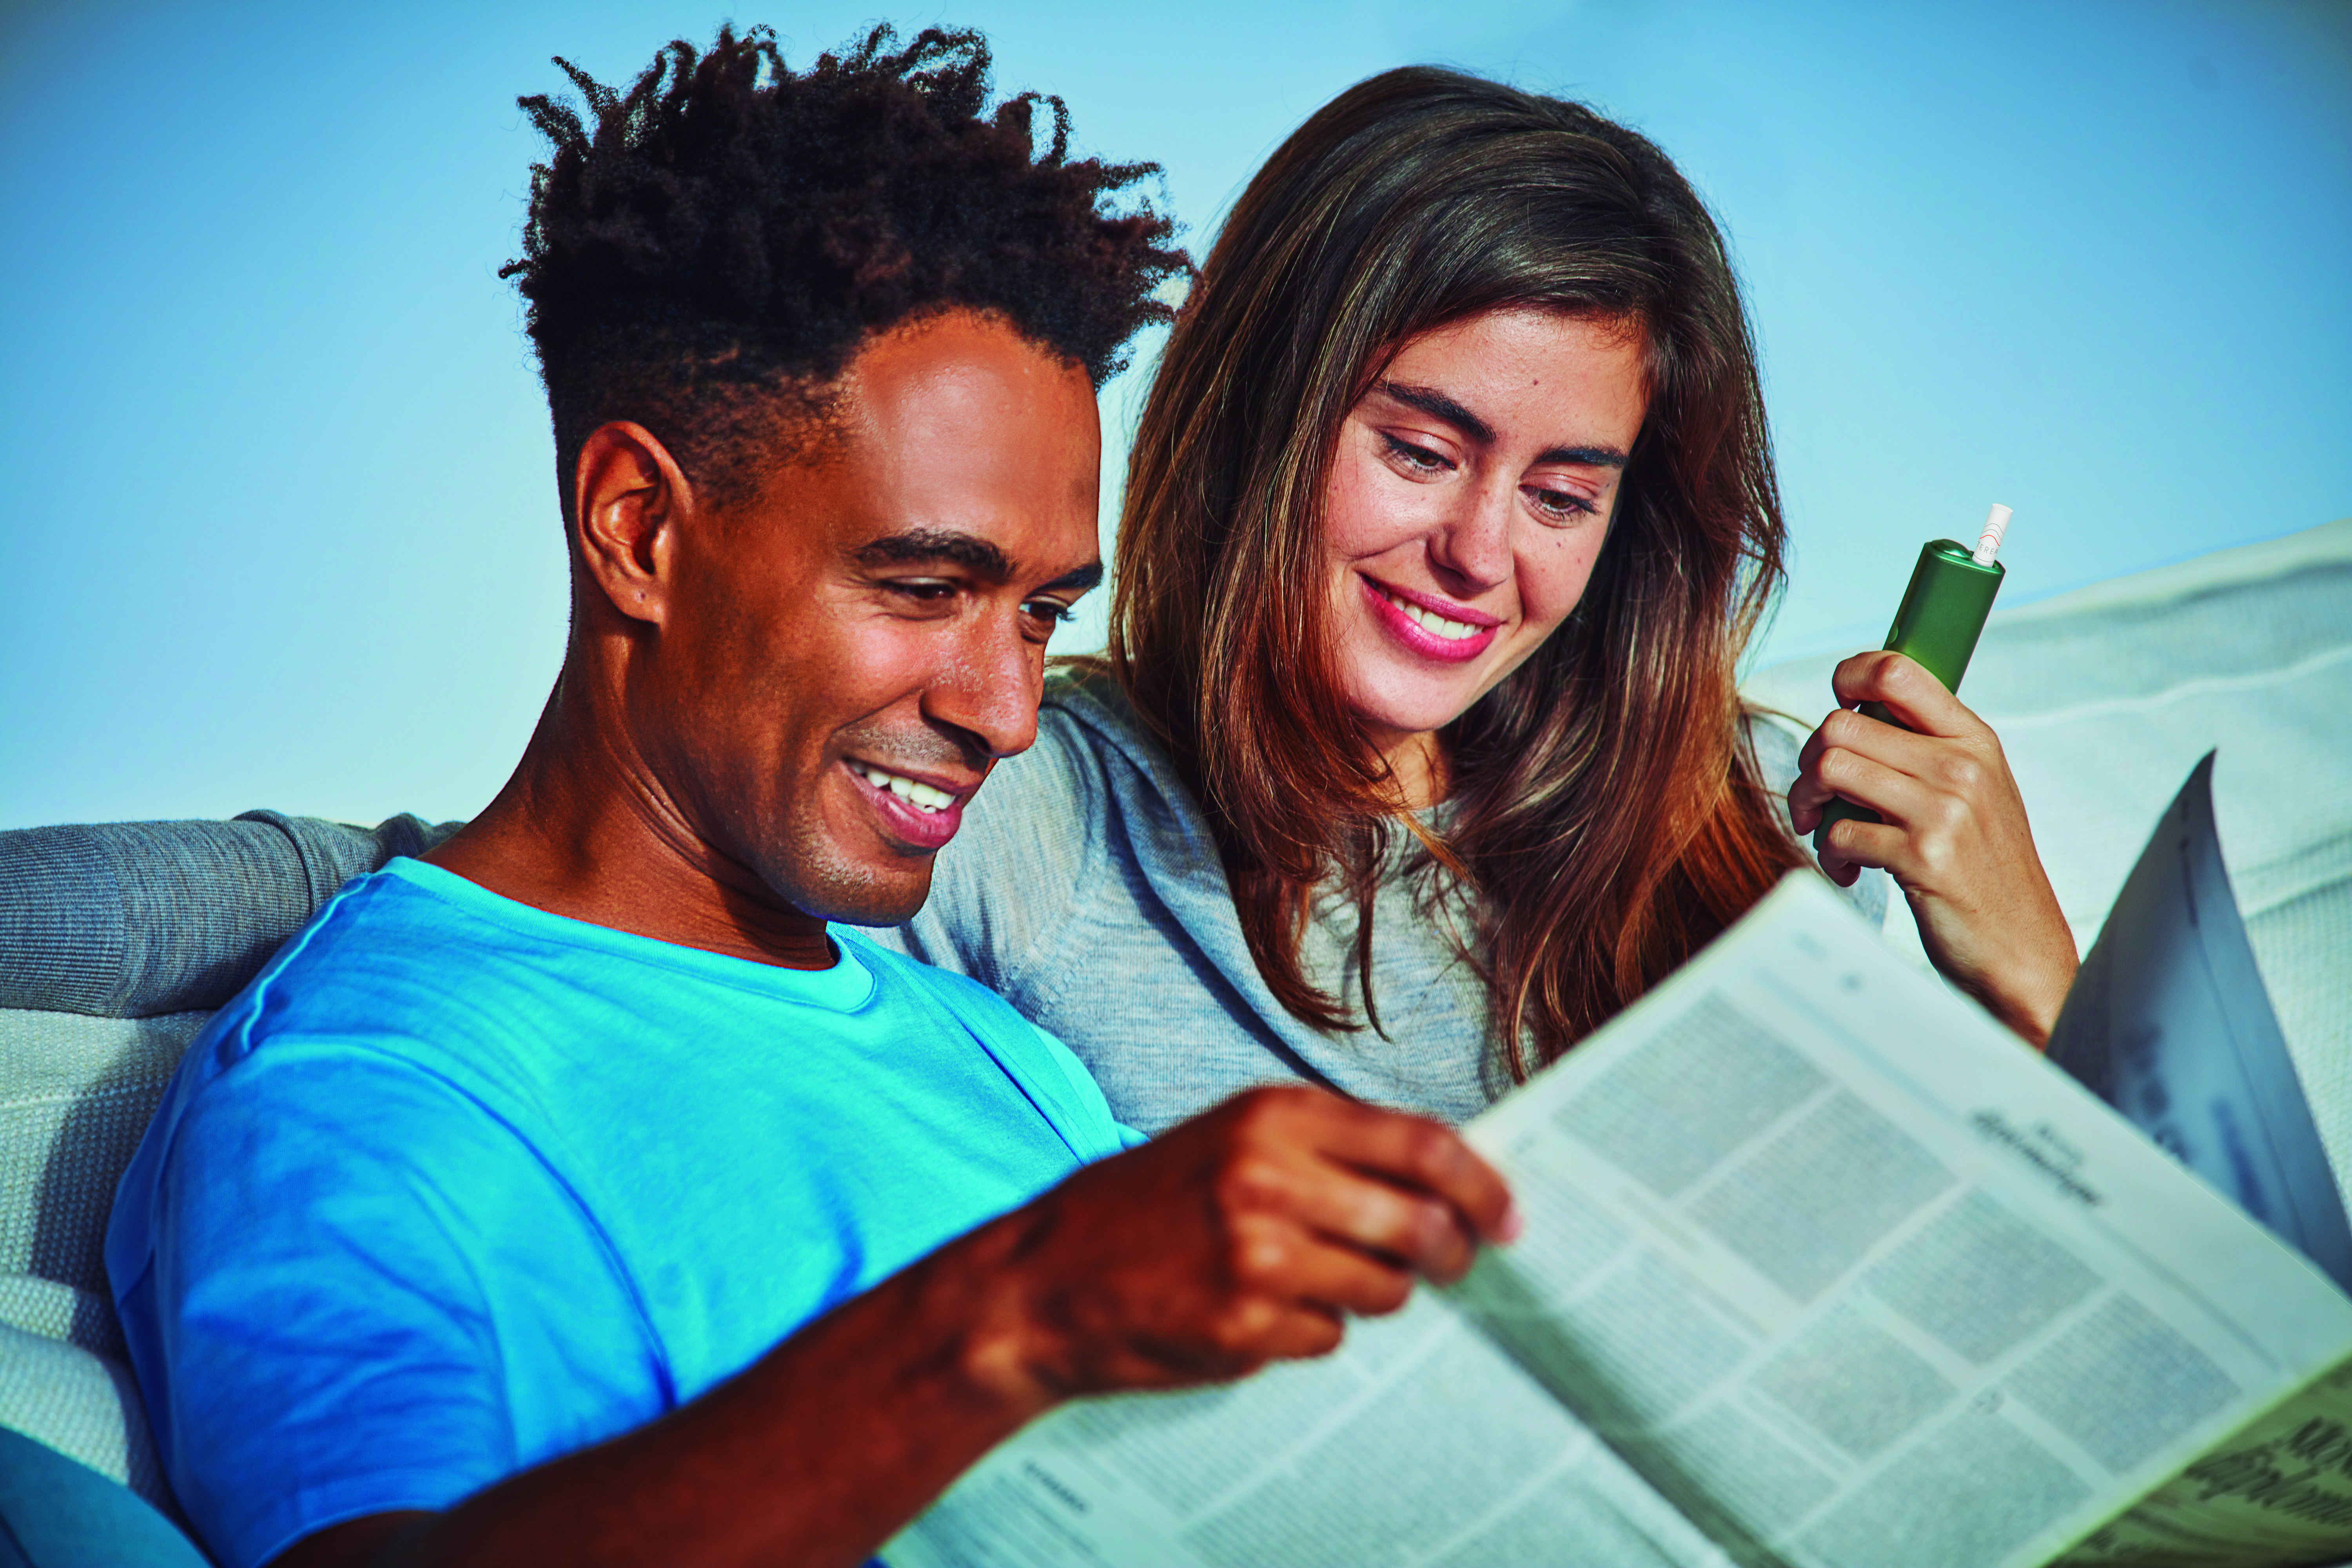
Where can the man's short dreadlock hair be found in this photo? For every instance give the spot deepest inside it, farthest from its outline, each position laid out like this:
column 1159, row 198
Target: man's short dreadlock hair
column 728, row 230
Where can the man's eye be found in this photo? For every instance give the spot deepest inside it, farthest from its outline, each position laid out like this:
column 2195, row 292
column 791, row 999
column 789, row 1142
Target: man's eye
column 922, row 590
column 1419, row 460
column 1053, row 612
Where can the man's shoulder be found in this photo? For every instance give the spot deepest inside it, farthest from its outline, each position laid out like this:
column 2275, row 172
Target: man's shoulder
column 401, row 963
column 389, row 930
column 1054, row 1079
column 965, row 997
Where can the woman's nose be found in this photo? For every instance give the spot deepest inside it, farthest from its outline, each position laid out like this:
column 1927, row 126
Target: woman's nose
column 1474, row 544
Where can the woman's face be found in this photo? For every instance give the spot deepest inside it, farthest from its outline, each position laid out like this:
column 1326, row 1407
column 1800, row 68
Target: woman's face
column 1468, row 499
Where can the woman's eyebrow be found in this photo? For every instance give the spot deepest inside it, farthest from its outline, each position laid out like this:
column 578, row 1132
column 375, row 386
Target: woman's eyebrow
column 1438, row 406
column 1586, row 456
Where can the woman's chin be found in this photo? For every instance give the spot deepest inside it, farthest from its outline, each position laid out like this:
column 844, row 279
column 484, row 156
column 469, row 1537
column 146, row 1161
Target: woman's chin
column 1398, row 709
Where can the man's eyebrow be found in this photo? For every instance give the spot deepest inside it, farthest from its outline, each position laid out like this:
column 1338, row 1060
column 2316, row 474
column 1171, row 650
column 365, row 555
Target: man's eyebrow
column 917, row 546
column 1082, row 578
column 1438, row 406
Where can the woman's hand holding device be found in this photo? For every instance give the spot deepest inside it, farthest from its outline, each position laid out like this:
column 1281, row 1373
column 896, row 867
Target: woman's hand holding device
column 1954, row 836
column 1916, row 784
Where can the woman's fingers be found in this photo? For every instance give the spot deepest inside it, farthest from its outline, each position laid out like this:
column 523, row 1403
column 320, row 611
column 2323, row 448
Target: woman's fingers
column 1952, row 833
column 1855, row 757
column 1850, row 846
column 1918, row 699
column 1936, row 798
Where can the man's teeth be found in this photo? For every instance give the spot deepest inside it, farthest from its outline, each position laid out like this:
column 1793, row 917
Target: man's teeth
column 1437, row 625
column 915, row 792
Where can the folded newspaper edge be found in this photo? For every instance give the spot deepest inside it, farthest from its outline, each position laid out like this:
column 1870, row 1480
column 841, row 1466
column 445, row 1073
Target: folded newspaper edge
column 2170, row 1023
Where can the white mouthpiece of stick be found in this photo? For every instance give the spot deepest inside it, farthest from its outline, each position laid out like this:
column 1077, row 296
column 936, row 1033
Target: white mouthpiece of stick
column 1988, row 542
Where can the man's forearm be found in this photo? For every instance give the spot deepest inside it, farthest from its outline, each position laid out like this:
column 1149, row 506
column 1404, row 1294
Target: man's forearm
column 1246, row 1235
column 814, row 1455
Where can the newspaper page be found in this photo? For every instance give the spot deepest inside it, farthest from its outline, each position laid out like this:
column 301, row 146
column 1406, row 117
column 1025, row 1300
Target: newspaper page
column 1856, row 1279
column 1416, row 1444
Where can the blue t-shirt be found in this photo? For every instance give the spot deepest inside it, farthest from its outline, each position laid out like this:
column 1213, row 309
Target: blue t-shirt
column 456, row 1186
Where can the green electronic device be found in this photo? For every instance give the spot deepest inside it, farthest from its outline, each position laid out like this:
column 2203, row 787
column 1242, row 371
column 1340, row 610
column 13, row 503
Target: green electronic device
column 1943, row 612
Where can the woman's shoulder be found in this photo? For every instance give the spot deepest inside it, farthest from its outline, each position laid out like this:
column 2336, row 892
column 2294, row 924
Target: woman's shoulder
column 1043, row 841
column 1088, row 712
column 1096, row 765
column 1064, row 776
column 1033, row 839
column 1084, row 706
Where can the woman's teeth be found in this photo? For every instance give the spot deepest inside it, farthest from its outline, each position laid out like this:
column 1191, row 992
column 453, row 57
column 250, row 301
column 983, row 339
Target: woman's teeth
column 1431, row 621
column 922, row 796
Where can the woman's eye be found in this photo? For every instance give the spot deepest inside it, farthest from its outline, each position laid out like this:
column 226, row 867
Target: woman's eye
column 1560, row 506
column 1419, row 460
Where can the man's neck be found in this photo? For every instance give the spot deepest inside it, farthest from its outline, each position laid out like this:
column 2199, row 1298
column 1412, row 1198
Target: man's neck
column 584, row 830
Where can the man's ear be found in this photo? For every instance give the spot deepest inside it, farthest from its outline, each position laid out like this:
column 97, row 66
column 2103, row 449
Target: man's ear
column 629, row 497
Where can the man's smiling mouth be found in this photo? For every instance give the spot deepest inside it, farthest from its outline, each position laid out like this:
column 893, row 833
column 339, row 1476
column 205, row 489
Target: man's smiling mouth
column 914, row 791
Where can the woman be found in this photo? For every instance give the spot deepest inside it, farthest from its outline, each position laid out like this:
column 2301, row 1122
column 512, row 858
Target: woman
column 1416, row 754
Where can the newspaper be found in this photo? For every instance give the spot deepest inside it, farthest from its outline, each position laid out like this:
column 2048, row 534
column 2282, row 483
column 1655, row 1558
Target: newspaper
column 1821, row 1268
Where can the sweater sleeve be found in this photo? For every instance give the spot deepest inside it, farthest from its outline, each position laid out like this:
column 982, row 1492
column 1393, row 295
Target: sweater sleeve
column 1776, row 748
column 132, row 919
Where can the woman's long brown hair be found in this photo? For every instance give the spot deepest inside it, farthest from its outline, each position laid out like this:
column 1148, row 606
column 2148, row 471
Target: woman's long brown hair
column 1604, row 811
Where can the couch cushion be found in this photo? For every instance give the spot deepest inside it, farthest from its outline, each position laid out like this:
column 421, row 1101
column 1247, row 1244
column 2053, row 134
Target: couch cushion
column 56, row 1514
column 84, row 1405
column 75, row 1093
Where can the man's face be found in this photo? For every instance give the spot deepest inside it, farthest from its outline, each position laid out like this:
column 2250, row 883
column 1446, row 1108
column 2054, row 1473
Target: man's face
column 851, row 651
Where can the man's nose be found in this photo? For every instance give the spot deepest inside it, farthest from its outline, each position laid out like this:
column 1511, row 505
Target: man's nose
column 989, row 687
column 1474, row 545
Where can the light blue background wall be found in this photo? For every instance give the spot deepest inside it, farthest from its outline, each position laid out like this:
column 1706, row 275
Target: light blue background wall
column 279, row 521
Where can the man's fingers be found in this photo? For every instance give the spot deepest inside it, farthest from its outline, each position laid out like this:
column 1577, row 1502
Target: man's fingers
column 1290, row 1262
column 1413, row 1152
column 1353, row 1208
column 1303, row 1331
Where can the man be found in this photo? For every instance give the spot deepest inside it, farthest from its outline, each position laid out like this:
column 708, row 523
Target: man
column 579, row 1194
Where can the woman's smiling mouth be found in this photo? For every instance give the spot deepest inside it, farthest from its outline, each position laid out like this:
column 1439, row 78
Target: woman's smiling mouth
column 1425, row 627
